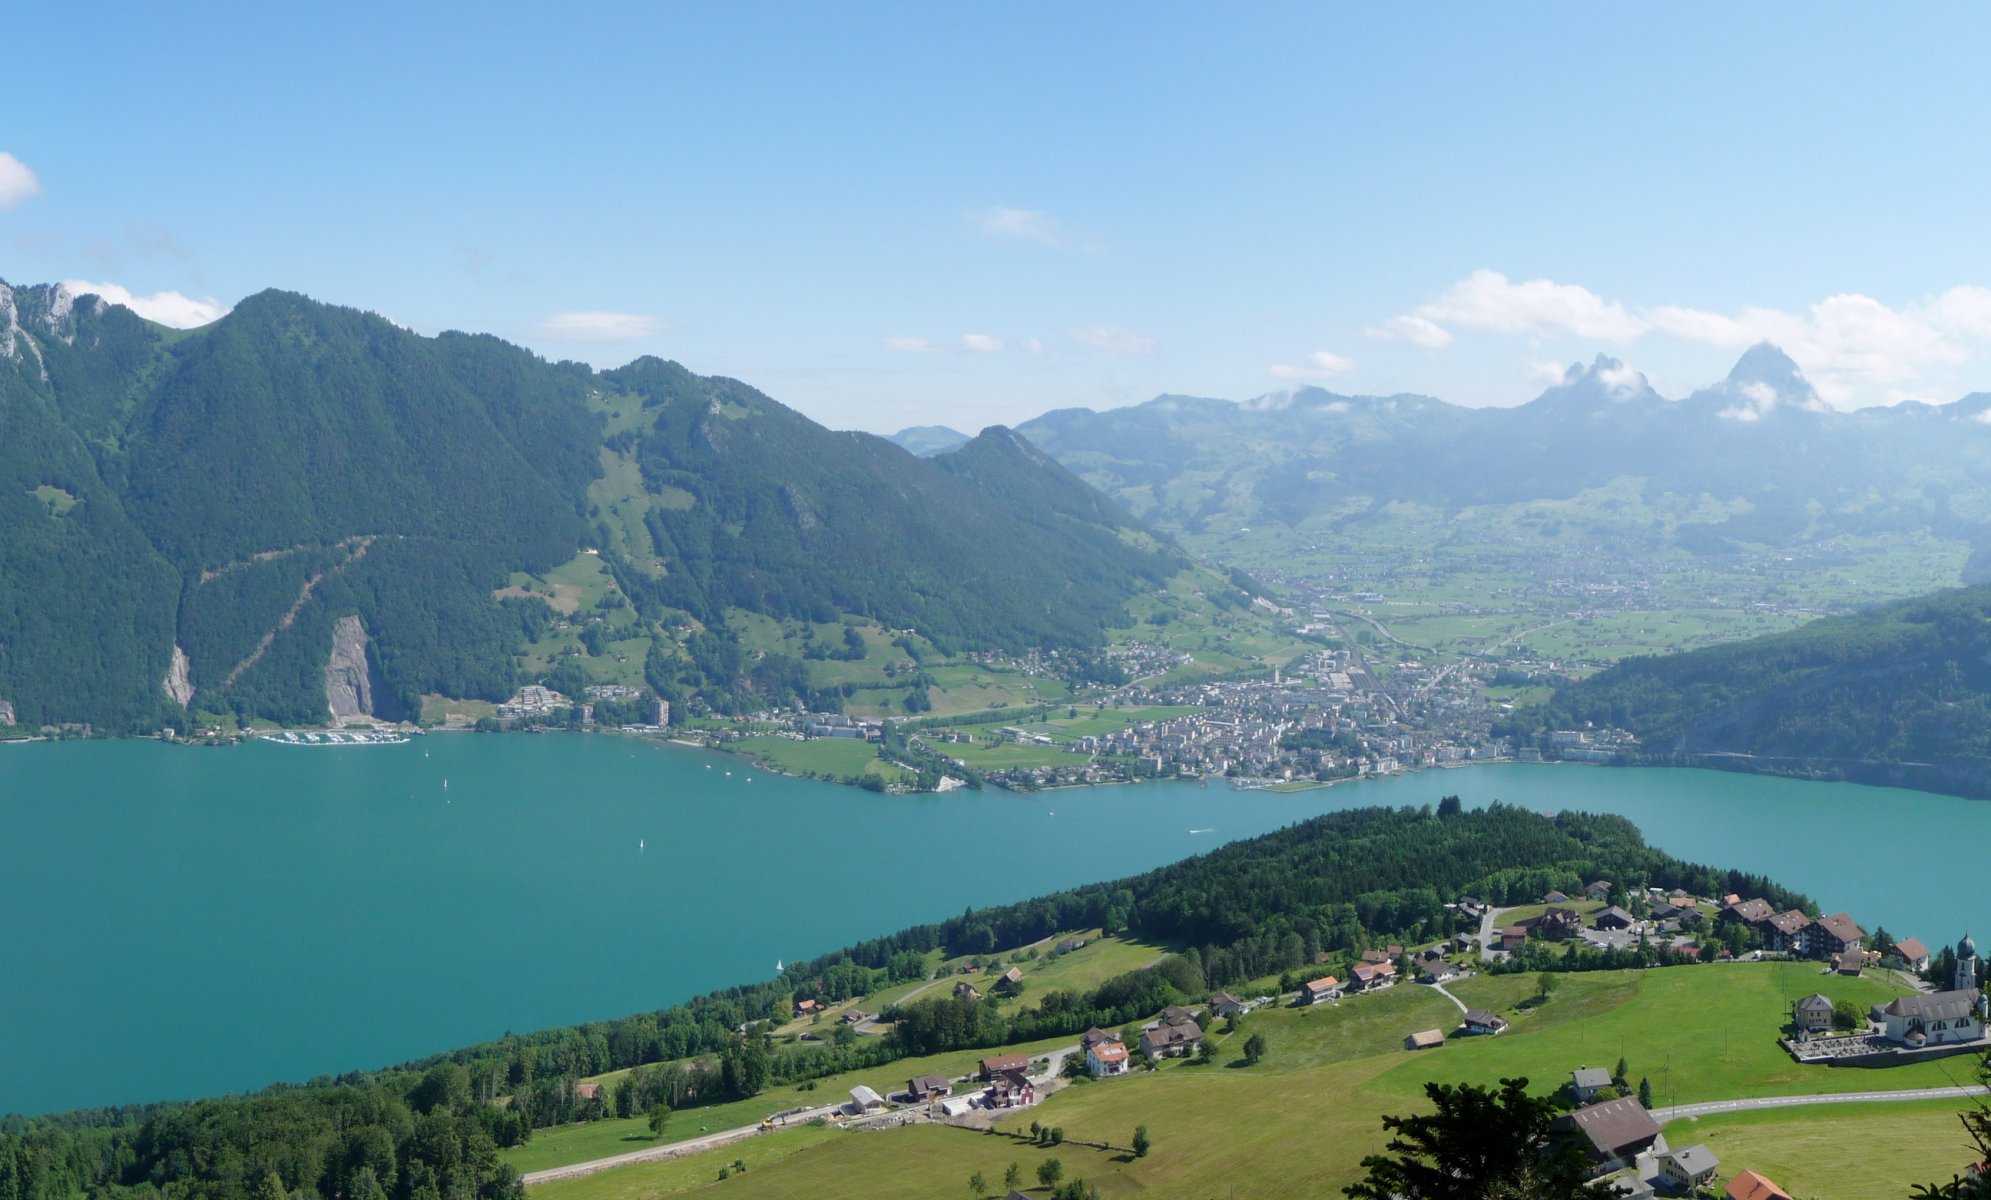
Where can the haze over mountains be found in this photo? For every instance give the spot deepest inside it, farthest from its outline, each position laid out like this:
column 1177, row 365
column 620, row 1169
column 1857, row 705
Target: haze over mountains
column 187, row 518
column 1757, row 459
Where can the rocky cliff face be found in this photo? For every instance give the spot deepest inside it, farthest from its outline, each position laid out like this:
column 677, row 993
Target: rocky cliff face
column 348, row 678
column 177, row 684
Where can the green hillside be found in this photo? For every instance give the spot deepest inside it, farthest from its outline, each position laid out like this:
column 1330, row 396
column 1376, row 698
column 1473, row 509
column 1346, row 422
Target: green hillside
column 223, row 499
column 1900, row 693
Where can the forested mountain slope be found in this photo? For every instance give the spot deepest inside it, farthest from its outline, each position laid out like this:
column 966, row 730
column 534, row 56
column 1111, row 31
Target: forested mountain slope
column 1900, row 693
column 185, row 518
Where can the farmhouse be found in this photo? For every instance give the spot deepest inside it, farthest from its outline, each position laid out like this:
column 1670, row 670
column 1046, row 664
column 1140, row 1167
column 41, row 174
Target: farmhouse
column 808, row 1008
column 1011, row 981
column 1618, row 1131
column 966, row 991
column 1513, row 937
column 1747, row 912
column 1427, row 1039
column 1852, row 962
column 1689, row 1167
column 1226, row 1005
column 1597, row 890
column 1479, row 1020
column 1011, row 1089
column 1908, row 954
column 864, row 1100
column 1559, row 923
column 1168, row 1041
column 1436, row 971
column 1317, row 990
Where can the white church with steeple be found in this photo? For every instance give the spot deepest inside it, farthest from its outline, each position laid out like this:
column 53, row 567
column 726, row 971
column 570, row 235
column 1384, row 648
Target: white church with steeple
column 1941, row 1018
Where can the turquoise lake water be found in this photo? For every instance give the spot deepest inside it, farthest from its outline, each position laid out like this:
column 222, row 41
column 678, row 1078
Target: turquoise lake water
column 183, row 921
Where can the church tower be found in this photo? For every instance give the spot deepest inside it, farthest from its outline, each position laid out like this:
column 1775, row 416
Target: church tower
column 1966, row 965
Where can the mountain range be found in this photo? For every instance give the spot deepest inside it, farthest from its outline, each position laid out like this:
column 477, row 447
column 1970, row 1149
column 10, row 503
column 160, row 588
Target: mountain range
column 1757, row 459
column 302, row 499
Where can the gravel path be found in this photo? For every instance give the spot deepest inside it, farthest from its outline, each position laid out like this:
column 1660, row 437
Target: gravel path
column 1710, row 1107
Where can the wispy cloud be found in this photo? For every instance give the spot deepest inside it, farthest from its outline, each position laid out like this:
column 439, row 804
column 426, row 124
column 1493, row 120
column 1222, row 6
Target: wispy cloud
column 18, row 184
column 981, row 343
column 600, row 326
column 1847, row 344
column 167, row 308
column 1319, row 366
column 1114, row 342
column 1030, row 225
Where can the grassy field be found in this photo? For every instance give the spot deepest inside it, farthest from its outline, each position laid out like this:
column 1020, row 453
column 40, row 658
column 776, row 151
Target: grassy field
column 839, row 758
column 1297, row 1124
column 1838, row 1151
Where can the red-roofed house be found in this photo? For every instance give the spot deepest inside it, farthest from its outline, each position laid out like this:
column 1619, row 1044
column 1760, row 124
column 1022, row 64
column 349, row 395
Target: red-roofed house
column 1316, row 990
column 1106, row 1058
column 1748, row 1185
column 1909, row 954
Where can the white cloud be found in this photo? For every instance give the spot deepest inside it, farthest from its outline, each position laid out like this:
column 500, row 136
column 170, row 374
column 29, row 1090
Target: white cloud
column 167, row 308
column 1850, row 346
column 1320, row 365
column 1420, row 330
column 1547, row 374
column 981, row 343
column 599, row 327
column 1489, row 302
column 1757, row 401
column 1029, row 225
column 1119, row 343
column 18, row 184
column 1034, row 346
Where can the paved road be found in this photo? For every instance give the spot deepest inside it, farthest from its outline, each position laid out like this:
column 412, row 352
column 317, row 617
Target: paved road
column 1708, row 1108
column 695, row 1145
column 1486, row 942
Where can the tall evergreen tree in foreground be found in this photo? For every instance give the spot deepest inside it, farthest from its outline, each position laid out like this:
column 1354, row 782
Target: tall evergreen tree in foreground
column 1479, row 1143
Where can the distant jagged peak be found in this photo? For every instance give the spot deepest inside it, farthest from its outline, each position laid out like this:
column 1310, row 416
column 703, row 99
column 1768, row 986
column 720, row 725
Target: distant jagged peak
column 1763, row 381
column 1606, row 384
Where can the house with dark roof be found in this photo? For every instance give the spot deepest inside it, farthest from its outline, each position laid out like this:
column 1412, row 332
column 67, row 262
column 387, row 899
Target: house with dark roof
column 1010, row 982
column 1618, row 1131
column 1425, row 1039
column 1175, row 1014
column 996, row 1064
column 1613, row 918
column 1224, row 1004
column 1555, row 898
column 966, row 991
column 1784, row 931
column 1852, row 962
column 1513, row 937
column 929, row 1087
column 1436, row 971
column 1094, row 1036
column 1481, row 1021
column 1748, row 912
column 1830, row 936
column 1170, row 1041
column 1560, row 923
column 1597, row 890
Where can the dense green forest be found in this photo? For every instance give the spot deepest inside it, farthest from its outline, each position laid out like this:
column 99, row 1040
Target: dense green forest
column 237, row 490
column 1900, row 691
column 428, row 1130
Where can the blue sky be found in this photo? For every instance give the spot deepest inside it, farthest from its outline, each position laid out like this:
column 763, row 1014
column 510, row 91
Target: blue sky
column 907, row 214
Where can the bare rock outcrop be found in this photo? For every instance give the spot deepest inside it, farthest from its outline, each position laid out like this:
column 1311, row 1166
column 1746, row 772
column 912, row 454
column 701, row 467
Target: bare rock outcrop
column 348, row 677
column 177, row 684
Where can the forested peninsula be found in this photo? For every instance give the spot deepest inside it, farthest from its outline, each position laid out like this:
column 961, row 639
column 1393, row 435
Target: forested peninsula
column 432, row 1129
